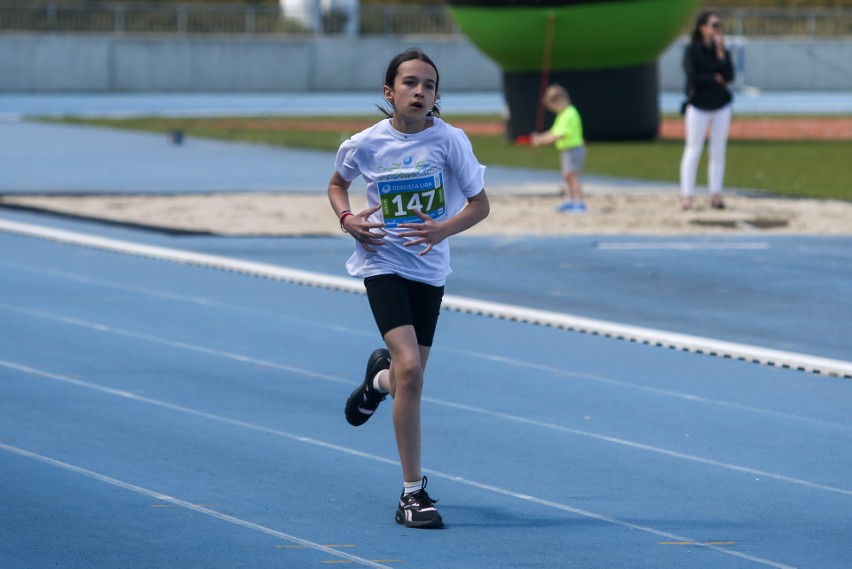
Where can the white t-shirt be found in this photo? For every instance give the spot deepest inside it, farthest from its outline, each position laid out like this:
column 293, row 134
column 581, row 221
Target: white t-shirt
column 433, row 170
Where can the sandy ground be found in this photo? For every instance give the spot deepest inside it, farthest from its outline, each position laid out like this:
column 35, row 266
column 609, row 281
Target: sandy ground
column 652, row 213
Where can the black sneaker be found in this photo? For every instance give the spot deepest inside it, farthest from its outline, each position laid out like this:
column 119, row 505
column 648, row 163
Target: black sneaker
column 365, row 400
column 417, row 510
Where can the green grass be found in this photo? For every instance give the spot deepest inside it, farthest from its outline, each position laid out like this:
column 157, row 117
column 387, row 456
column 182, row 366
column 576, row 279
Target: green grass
column 815, row 169
column 799, row 169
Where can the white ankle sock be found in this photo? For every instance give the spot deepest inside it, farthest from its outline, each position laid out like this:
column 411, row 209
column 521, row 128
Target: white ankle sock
column 376, row 385
column 409, row 487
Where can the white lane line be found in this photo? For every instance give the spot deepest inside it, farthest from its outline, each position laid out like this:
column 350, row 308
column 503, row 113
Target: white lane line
column 649, row 336
column 642, row 446
column 383, row 460
column 205, row 302
column 556, row 371
column 186, row 298
column 307, row 373
column 185, row 257
column 106, row 328
column 652, row 337
column 681, row 246
column 189, row 506
column 616, row 521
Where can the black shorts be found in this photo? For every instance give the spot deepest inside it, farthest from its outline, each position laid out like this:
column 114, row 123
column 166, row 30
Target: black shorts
column 396, row 301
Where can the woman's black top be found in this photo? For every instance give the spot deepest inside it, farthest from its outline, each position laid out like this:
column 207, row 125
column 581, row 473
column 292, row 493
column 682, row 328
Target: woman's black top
column 701, row 66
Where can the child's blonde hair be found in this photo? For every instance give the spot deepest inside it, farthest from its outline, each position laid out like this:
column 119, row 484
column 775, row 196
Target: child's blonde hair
column 555, row 92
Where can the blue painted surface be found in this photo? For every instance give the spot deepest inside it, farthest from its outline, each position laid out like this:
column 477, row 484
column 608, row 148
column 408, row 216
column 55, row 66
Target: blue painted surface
column 545, row 448
column 52, row 158
column 65, row 159
column 228, row 390
column 490, row 102
column 792, row 295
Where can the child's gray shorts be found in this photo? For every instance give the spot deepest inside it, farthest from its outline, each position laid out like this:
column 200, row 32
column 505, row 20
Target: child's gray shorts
column 573, row 160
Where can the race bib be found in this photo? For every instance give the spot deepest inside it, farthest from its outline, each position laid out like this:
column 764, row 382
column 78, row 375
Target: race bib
column 400, row 198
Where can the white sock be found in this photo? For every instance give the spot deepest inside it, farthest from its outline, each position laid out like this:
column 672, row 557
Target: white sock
column 409, row 487
column 376, row 385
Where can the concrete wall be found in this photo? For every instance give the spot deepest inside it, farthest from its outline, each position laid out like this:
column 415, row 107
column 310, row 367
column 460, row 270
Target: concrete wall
column 775, row 64
column 108, row 63
column 45, row 63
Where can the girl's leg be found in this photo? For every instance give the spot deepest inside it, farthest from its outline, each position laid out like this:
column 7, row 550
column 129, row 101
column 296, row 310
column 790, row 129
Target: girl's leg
column 719, row 127
column 695, row 123
column 405, row 384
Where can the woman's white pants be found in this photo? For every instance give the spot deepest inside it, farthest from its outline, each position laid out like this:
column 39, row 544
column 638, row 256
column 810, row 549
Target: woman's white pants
column 697, row 124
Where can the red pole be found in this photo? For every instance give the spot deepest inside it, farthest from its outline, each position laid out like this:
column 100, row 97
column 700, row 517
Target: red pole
column 545, row 69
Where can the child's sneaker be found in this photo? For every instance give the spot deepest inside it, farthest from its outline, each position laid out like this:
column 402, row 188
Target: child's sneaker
column 579, row 207
column 565, row 207
column 364, row 401
column 417, row 510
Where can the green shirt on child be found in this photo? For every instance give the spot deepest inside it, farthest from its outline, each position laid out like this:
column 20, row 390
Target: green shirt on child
column 570, row 127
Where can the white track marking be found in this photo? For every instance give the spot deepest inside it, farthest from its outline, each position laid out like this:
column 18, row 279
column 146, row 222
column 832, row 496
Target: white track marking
column 187, row 298
column 652, row 337
column 201, row 301
column 593, row 326
column 642, row 446
column 189, row 506
column 681, row 246
column 175, row 344
column 353, row 452
column 640, row 387
column 462, row 407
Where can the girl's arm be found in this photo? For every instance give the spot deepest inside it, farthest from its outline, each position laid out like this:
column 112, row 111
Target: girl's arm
column 432, row 232
column 356, row 224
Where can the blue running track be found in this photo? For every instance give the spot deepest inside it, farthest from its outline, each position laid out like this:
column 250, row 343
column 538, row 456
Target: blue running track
column 156, row 412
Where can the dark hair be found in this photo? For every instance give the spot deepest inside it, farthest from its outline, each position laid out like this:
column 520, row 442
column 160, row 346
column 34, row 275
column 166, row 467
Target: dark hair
column 411, row 54
column 701, row 20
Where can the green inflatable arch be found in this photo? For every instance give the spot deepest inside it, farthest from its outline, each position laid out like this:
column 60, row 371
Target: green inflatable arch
column 603, row 51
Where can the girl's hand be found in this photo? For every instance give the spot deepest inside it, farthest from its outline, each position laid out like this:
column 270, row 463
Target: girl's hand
column 358, row 227
column 429, row 232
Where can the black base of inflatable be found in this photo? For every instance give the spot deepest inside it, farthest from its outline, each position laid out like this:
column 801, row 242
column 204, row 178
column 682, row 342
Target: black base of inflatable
column 615, row 104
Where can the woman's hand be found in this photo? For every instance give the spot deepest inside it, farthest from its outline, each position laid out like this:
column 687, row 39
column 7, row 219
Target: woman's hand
column 358, row 227
column 719, row 43
column 430, row 232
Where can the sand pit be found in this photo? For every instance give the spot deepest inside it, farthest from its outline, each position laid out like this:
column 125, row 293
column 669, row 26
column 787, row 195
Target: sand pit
column 270, row 214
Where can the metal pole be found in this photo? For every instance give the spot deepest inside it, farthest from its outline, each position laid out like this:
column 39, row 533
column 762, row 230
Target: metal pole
column 118, row 19
column 181, row 19
column 251, row 20
column 52, row 16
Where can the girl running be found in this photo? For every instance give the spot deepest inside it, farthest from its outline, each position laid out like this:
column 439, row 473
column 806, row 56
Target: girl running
column 424, row 184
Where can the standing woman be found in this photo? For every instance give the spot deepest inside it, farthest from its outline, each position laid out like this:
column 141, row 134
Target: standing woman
column 709, row 72
column 424, row 184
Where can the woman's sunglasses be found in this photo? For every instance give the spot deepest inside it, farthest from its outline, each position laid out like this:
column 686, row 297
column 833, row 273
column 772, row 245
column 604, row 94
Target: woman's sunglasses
column 716, row 25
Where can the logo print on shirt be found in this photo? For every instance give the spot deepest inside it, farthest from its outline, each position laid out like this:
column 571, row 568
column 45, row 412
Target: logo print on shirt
column 408, row 165
column 408, row 168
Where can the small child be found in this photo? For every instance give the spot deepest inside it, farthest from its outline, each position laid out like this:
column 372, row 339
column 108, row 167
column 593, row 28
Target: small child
column 567, row 134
